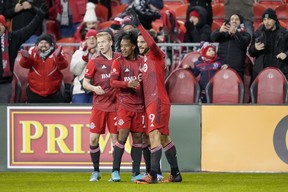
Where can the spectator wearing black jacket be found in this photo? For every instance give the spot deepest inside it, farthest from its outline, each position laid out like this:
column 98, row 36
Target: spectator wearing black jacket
column 269, row 45
column 10, row 43
column 233, row 41
column 197, row 29
column 21, row 13
column 208, row 7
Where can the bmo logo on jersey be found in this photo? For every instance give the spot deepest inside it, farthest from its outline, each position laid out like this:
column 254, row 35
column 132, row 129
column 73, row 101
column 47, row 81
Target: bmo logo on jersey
column 131, row 78
column 105, row 76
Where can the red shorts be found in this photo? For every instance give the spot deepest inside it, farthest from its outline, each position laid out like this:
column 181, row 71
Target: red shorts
column 157, row 117
column 134, row 121
column 99, row 119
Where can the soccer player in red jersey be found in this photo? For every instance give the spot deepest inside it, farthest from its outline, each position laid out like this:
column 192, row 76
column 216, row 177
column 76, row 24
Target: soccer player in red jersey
column 157, row 107
column 126, row 75
column 104, row 98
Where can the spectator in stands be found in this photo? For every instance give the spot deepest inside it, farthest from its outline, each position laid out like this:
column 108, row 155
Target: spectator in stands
column 78, row 66
column 233, row 42
column 44, row 77
column 10, row 43
column 147, row 11
column 55, row 9
column 90, row 21
column 72, row 15
column 197, row 29
column 243, row 7
column 207, row 5
column 21, row 13
column 206, row 66
column 270, row 45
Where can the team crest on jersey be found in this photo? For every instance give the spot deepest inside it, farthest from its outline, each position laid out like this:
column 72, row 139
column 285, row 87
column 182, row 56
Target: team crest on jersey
column 92, row 125
column 114, row 70
column 145, row 67
column 120, row 122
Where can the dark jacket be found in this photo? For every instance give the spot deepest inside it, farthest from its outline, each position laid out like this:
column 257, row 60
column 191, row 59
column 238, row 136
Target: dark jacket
column 207, row 5
column 200, row 32
column 145, row 14
column 206, row 70
column 22, row 18
column 267, row 57
column 232, row 49
column 15, row 40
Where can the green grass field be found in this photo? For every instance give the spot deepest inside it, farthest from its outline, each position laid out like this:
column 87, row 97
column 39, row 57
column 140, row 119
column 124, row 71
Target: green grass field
column 202, row 182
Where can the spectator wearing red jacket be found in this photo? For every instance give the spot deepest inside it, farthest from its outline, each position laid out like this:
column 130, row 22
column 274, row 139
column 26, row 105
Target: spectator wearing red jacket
column 44, row 77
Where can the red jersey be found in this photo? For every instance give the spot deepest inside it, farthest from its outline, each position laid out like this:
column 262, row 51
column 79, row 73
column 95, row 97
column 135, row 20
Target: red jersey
column 122, row 72
column 99, row 69
column 153, row 72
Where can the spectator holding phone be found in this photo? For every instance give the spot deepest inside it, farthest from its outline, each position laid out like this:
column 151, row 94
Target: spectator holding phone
column 270, row 45
column 233, row 42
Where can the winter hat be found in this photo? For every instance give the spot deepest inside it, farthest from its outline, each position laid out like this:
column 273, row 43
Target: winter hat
column 241, row 18
column 46, row 37
column 127, row 21
column 204, row 49
column 194, row 13
column 90, row 15
column 91, row 33
column 157, row 3
column 2, row 20
column 270, row 13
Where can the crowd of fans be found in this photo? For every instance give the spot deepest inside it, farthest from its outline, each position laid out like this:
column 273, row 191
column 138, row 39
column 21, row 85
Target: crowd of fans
column 236, row 37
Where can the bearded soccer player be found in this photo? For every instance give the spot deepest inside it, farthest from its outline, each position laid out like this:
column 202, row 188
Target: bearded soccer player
column 126, row 76
column 157, row 107
column 104, row 98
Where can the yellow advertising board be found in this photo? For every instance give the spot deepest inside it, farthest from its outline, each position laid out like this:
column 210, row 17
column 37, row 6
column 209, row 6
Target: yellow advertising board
column 244, row 138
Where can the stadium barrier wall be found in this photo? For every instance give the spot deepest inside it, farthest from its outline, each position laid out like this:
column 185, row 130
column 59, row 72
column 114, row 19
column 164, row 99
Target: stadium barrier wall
column 36, row 138
column 222, row 138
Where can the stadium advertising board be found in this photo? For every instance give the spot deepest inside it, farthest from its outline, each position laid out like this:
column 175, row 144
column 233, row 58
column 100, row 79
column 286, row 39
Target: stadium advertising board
column 244, row 138
column 55, row 137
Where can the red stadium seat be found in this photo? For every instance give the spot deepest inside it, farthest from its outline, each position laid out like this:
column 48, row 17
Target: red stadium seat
column 118, row 10
column 68, row 48
column 52, row 28
column 16, row 90
column 271, row 3
column 104, row 25
column 101, row 13
column 226, row 87
column 173, row 4
column 258, row 11
column 282, row 12
column 215, row 25
column 181, row 12
column 189, row 59
column 22, row 74
column 182, row 87
column 269, row 87
column 218, row 12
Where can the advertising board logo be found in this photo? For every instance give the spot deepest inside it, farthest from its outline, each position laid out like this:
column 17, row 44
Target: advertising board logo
column 279, row 139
